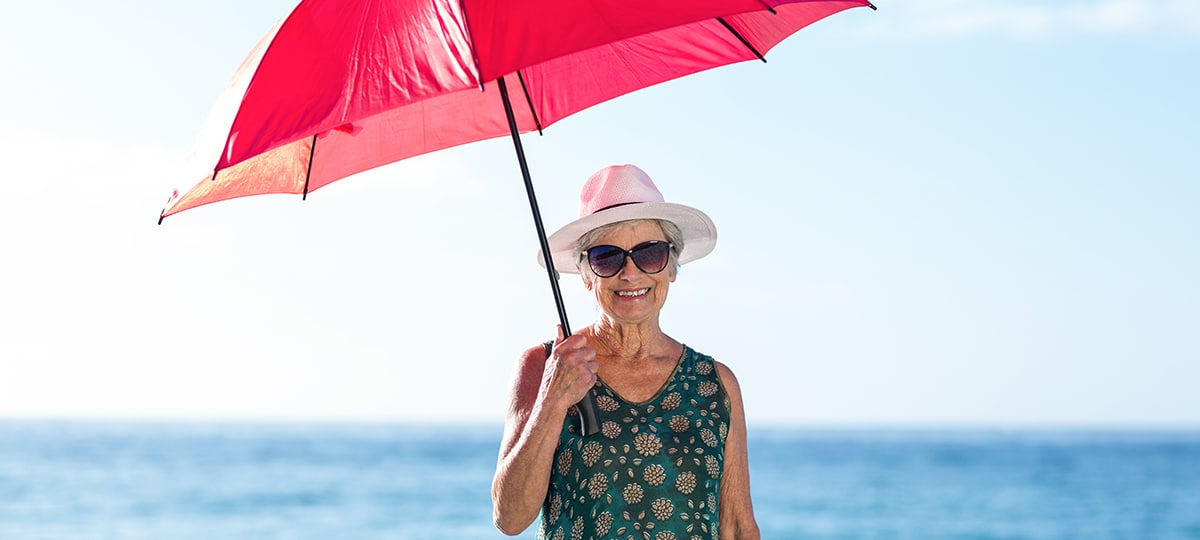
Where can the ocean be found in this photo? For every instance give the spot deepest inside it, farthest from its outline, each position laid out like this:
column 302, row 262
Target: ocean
column 324, row 481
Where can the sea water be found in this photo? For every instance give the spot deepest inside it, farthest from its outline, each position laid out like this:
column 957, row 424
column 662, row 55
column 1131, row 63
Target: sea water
column 255, row 481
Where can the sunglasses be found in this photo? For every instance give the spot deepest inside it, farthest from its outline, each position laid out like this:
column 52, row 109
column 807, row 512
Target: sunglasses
column 650, row 257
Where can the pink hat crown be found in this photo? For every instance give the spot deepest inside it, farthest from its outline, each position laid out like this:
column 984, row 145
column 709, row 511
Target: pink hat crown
column 616, row 186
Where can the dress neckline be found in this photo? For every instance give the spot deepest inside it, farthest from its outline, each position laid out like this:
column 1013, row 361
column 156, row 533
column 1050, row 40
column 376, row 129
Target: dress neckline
column 658, row 393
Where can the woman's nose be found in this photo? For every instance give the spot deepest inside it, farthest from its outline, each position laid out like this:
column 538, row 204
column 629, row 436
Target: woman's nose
column 628, row 268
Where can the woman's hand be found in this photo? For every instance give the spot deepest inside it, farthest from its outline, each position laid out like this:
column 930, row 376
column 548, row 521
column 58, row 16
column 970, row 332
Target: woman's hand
column 569, row 373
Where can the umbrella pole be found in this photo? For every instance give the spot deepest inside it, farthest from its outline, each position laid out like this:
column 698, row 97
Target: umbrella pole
column 588, row 424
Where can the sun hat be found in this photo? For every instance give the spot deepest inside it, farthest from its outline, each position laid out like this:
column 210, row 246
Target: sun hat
column 621, row 193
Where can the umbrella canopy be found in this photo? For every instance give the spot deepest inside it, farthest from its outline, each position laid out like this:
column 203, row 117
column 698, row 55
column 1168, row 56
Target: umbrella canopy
column 343, row 86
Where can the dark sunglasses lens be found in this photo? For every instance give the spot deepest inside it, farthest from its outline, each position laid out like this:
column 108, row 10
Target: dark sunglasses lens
column 606, row 261
column 651, row 258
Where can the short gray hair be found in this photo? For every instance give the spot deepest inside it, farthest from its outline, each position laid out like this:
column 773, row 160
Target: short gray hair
column 669, row 230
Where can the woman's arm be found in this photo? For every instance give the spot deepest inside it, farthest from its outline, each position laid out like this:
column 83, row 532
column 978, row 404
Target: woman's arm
column 542, row 391
column 737, row 513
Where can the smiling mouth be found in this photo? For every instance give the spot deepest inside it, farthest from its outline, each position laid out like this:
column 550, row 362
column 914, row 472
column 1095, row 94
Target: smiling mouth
column 630, row 294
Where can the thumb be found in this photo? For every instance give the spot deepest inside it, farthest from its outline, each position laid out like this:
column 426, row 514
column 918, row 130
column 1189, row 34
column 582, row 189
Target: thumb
column 560, row 337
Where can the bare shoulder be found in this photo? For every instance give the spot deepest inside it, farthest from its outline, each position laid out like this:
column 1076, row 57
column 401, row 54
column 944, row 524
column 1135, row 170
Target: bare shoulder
column 523, row 383
column 535, row 354
column 728, row 379
column 530, row 365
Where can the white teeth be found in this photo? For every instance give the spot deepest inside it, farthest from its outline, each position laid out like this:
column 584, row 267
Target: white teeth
column 638, row 292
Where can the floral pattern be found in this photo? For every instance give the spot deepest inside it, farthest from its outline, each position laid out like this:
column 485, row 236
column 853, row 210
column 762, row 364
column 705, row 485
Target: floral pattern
column 633, row 493
column 655, row 475
column 653, row 471
column 607, row 403
column 671, row 402
column 591, row 453
column 603, row 524
column 611, row 430
column 647, row 444
column 564, row 462
column 686, row 482
column 598, row 485
column 663, row 509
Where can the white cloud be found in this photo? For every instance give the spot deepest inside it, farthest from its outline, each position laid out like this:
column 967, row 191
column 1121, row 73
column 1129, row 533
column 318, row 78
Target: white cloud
column 1024, row 20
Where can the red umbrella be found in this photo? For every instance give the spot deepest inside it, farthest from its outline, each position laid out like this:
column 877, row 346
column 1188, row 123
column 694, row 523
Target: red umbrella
column 343, row 86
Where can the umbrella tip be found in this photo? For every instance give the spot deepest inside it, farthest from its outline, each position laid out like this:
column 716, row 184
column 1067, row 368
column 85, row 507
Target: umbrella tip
column 872, row 6
column 162, row 214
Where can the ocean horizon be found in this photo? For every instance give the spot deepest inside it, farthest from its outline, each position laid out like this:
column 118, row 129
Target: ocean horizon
column 242, row 480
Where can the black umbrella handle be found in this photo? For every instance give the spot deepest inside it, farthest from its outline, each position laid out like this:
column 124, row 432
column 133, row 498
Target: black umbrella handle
column 588, row 424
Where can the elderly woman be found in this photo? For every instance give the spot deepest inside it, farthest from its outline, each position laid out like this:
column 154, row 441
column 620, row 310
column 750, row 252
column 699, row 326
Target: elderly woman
column 669, row 461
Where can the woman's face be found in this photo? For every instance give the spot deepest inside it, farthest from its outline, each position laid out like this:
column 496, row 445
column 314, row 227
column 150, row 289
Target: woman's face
column 631, row 296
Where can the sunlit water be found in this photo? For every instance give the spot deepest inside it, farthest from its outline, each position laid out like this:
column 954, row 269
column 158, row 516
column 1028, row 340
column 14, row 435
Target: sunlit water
column 184, row 481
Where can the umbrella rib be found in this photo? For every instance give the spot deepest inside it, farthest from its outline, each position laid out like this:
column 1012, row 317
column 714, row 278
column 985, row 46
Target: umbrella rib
column 312, row 152
column 741, row 39
column 537, row 122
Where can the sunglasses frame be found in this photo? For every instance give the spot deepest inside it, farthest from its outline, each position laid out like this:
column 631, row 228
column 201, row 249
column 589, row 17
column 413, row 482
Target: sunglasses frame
column 628, row 255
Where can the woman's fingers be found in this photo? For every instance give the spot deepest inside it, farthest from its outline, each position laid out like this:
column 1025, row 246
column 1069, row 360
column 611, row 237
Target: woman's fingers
column 572, row 367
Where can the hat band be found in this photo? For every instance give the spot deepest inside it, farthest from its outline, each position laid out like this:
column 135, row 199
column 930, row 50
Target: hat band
column 616, row 205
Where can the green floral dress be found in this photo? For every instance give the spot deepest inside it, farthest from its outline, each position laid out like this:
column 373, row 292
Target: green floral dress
column 654, row 470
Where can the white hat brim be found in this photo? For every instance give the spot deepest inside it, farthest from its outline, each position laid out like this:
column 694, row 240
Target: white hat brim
column 699, row 232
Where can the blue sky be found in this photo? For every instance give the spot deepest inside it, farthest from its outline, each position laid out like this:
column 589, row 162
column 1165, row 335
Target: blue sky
column 939, row 213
